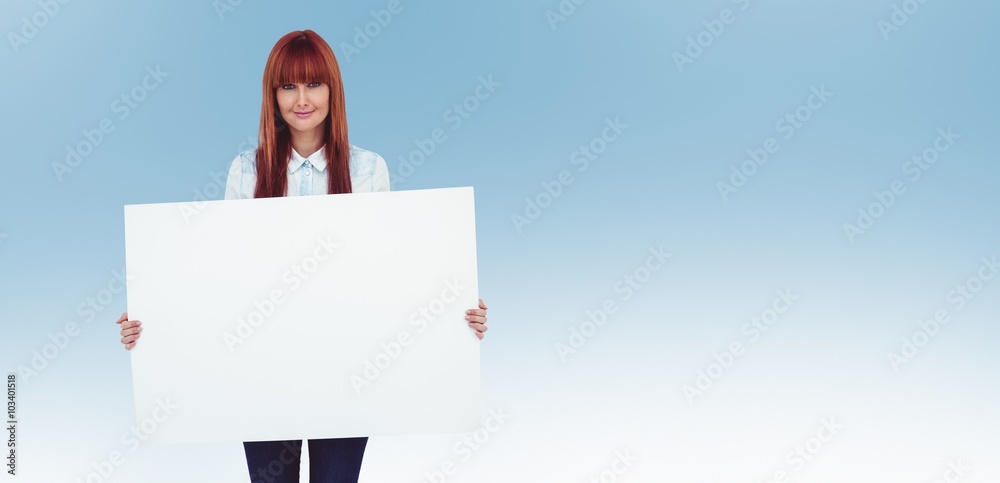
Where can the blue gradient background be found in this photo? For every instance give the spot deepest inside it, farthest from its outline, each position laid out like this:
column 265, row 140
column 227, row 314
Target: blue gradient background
column 654, row 186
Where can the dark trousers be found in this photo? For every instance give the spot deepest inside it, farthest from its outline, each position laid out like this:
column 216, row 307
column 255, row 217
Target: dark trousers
column 336, row 460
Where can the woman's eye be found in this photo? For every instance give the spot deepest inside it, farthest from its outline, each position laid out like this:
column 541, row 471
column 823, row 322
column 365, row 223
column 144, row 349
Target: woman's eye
column 288, row 86
column 314, row 84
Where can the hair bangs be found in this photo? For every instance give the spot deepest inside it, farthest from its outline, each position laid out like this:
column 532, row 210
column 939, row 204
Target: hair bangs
column 302, row 63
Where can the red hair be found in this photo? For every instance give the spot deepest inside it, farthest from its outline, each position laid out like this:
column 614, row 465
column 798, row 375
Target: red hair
column 301, row 56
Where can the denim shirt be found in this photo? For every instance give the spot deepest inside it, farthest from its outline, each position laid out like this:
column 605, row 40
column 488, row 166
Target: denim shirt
column 307, row 176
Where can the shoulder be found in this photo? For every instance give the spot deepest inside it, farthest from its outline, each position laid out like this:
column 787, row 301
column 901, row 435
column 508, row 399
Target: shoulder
column 245, row 162
column 368, row 171
column 364, row 162
column 242, row 176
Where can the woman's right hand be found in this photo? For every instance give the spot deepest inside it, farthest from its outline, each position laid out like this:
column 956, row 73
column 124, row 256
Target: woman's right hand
column 131, row 330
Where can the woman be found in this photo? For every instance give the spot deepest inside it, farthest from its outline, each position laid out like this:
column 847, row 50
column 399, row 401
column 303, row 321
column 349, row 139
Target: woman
column 303, row 134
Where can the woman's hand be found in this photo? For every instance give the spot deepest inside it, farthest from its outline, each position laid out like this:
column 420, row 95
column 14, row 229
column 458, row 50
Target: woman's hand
column 131, row 330
column 477, row 319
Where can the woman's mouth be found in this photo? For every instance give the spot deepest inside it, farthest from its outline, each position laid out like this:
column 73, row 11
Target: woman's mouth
column 303, row 114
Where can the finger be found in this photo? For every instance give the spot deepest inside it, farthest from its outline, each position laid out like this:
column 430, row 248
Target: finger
column 131, row 338
column 134, row 330
column 130, row 324
column 128, row 347
column 473, row 318
column 480, row 335
column 123, row 318
column 481, row 313
column 481, row 304
column 479, row 327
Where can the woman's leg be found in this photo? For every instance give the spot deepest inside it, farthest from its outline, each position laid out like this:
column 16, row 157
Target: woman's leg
column 336, row 460
column 273, row 461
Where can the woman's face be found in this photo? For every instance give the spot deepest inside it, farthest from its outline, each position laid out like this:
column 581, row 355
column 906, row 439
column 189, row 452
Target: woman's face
column 304, row 107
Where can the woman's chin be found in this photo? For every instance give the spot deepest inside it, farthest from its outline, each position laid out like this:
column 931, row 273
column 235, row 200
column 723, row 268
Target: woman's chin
column 302, row 127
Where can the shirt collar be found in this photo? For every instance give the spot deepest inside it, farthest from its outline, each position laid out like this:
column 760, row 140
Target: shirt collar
column 317, row 159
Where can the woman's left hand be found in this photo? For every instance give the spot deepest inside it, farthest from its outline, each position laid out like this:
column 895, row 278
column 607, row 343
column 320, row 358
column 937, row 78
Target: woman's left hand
column 477, row 319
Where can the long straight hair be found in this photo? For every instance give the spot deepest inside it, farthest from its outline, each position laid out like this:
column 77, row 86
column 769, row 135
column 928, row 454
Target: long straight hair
column 301, row 56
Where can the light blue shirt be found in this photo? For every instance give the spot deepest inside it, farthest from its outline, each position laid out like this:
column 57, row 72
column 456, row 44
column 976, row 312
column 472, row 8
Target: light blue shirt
column 307, row 176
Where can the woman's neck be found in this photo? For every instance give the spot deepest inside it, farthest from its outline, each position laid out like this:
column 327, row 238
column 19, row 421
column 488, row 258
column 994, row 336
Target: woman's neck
column 307, row 143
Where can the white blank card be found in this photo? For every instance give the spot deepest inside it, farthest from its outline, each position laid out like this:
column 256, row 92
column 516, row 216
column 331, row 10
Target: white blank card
column 304, row 317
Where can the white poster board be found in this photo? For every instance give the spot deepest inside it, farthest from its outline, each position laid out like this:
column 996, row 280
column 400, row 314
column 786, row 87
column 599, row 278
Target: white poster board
column 304, row 317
